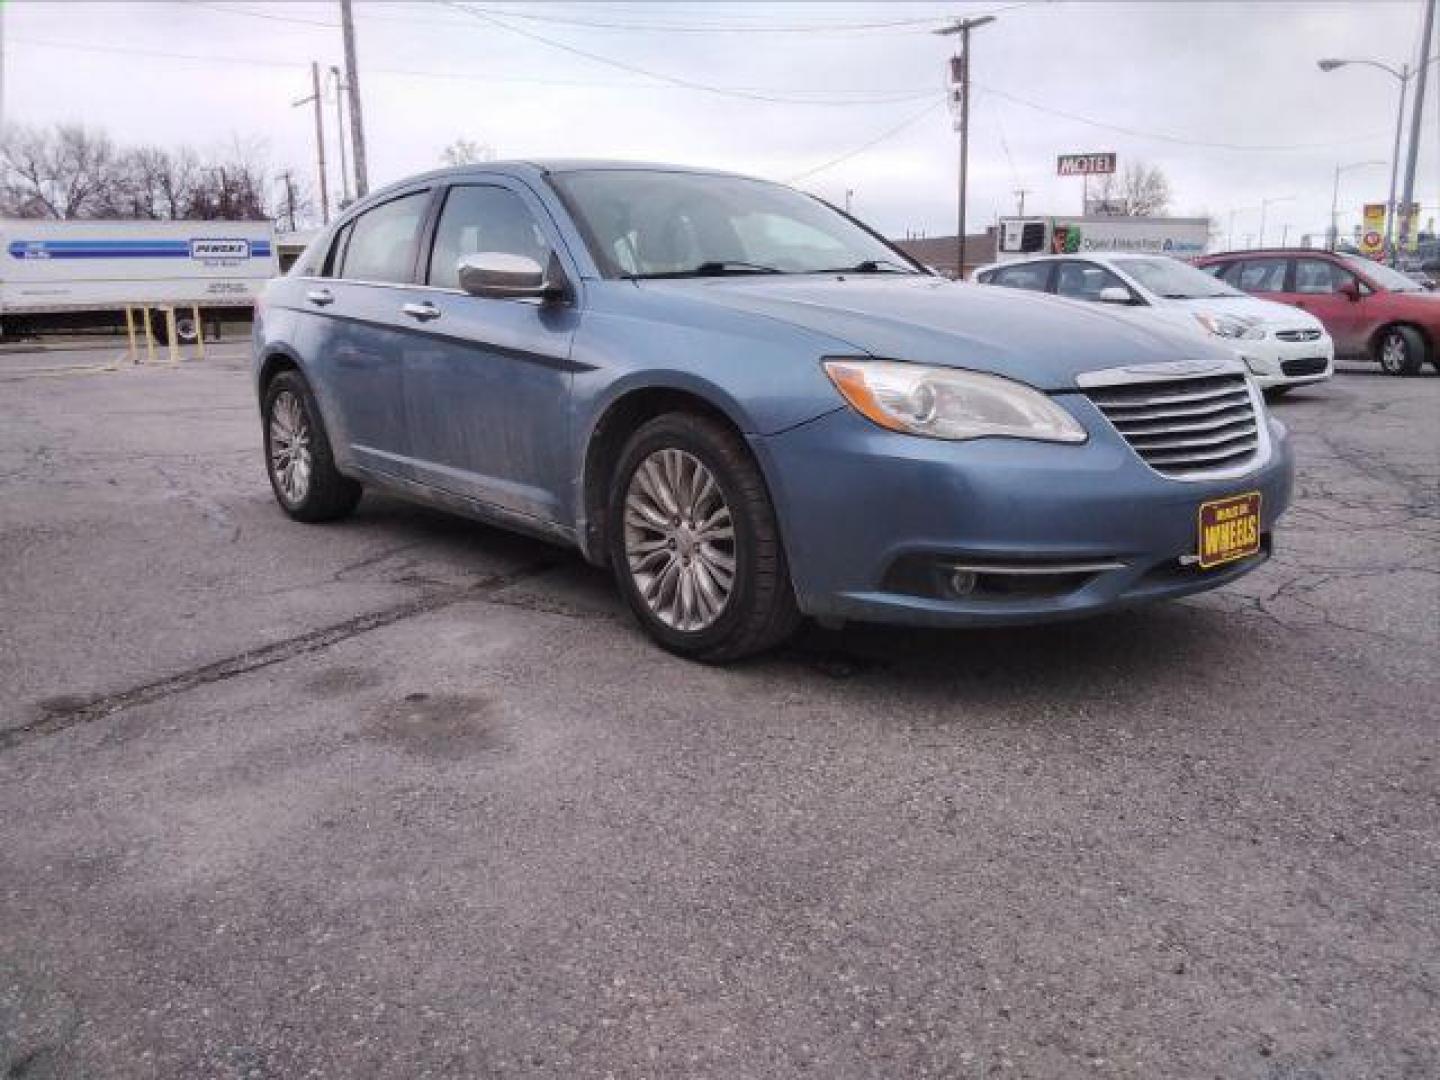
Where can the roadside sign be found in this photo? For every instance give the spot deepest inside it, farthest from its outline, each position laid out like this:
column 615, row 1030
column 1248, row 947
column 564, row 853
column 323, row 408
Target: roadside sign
column 1085, row 164
column 1372, row 236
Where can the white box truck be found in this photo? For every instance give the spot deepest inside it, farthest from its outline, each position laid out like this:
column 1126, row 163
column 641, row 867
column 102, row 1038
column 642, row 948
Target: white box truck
column 81, row 275
column 1020, row 237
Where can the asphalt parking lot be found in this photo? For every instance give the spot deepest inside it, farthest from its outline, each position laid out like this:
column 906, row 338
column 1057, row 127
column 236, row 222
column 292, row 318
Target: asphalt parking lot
column 410, row 797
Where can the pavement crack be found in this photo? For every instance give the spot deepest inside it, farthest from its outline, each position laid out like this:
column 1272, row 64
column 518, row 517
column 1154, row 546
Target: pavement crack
column 84, row 712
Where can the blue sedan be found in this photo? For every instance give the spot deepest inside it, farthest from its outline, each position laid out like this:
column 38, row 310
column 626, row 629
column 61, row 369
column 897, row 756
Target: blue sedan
column 752, row 408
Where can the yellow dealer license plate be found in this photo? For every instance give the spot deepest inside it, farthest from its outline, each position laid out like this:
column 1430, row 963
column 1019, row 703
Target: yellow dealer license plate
column 1229, row 529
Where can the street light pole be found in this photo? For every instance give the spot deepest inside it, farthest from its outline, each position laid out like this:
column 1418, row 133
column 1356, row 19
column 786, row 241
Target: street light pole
column 963, row 28
column 1335, row 199
column 1403, row 77
column 1416, row 112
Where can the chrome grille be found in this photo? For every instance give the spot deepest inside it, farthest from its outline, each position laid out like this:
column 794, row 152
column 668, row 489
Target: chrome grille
column 1185, row 427
column 1298, row 335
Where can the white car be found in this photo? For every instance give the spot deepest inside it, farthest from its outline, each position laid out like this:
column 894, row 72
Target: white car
column 1282, row 346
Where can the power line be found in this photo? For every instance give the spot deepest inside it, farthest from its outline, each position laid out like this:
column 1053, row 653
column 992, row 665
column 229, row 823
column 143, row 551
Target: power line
column 898, row 97
column 888, row 133
column 916, row 25
column 674, row 80
column 1166, row 137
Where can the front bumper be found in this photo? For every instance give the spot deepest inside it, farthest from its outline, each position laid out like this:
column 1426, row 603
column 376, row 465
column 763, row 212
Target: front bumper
column 1306, row 361
column 858, row 505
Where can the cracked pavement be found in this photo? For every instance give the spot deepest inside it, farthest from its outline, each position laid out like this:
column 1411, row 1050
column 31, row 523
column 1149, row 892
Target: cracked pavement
column 407, row 796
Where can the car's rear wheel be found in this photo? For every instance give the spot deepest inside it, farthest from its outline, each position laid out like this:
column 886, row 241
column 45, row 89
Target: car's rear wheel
column 302, row 470
column 1400, row 350
column 694, row 542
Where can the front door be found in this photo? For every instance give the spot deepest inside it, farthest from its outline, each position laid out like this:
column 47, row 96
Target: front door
column 487, row 382
column 1316, row 289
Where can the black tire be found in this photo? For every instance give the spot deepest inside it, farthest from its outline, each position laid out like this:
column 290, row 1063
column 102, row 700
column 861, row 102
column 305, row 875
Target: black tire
column 759, row 611
column 186, row 330
column 326, row 495
column 1400, row 350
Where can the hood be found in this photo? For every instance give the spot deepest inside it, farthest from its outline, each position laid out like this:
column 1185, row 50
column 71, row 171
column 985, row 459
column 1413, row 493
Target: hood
column 1272, row 315
column 1041, row 340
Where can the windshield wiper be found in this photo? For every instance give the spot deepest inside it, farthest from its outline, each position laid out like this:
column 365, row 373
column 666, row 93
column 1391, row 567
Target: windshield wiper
column 714, row 268
column 870, row 266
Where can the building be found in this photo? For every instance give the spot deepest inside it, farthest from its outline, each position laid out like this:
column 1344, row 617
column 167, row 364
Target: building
column 940, row 251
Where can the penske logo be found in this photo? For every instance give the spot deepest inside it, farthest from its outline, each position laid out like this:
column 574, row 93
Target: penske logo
column 210, row 248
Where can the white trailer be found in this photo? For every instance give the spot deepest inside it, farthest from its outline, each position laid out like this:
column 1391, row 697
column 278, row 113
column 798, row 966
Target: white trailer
column 1020, row 237
column 84, row 274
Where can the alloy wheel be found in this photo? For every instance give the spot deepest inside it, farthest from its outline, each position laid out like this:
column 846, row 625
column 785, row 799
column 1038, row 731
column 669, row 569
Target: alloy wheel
column 679, row 540
column 1393, row 354
column 290, row 460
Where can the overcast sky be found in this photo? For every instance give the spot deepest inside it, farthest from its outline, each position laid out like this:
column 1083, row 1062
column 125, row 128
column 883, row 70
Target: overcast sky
column 808, row 83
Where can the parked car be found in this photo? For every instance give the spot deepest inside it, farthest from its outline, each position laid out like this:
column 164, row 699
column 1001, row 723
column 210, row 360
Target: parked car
column 1282, row 347
column 751, row 407
column 1371, row 311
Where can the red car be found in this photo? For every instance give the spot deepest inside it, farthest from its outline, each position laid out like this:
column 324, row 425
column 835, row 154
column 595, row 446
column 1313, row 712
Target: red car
column 1370, row 310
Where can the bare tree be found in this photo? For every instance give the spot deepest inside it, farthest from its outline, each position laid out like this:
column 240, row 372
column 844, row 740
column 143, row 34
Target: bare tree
column 1142, row 190
column 69, row 171
column 467, row 152
column 59, row 172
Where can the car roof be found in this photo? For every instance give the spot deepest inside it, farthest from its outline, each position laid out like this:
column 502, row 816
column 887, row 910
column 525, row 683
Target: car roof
column 1274, row 253
column 531, row 168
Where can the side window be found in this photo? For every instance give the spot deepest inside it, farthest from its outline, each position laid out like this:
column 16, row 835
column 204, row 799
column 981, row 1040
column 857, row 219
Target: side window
column 1084, row 281
column 1260, row 275
column 482, row 218
column 381, row 242
column 1032, row 276
column 1319, row 276
column 1217, row 269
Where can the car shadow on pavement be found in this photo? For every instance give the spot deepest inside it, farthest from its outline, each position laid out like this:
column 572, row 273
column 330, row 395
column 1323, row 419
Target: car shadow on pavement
column 1134, row 645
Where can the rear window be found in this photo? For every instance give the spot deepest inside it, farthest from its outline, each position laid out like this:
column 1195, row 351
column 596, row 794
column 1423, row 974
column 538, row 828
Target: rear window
column 381, row 243
column 1031, row 276
column 1260, row 275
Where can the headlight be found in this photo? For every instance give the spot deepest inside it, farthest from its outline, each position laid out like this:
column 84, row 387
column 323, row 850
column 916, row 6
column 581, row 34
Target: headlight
column 943, row 403
column 1228, row 326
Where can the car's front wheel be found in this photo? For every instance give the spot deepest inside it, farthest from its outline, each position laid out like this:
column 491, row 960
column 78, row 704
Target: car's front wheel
column 1401, row 350
column 302, row 470
column 694, row 542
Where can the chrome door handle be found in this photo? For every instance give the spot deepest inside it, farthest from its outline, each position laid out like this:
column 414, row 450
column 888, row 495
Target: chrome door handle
column 424, row 312
column 320, row 297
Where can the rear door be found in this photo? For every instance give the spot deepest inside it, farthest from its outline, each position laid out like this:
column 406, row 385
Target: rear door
column 356, row 337
column 487, row 382
column 1315, row 288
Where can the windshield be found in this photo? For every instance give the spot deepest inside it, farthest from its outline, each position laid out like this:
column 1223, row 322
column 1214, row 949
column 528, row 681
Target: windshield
column 644, row 223
column 1175, row 280
column 1383, row 276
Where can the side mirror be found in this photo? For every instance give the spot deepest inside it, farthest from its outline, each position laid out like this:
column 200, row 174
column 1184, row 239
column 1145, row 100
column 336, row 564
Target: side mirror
column 1114, row 294
column 498, row 275
column 1350, row 290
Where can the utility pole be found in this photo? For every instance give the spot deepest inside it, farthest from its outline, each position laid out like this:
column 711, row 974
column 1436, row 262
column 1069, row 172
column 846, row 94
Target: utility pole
column 960, row 80
column 318, row 102
column 1020, row 194
column 352, row 80
column 340, row 137
column 290, row 199
column 1417, row 109
column 849, row 194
